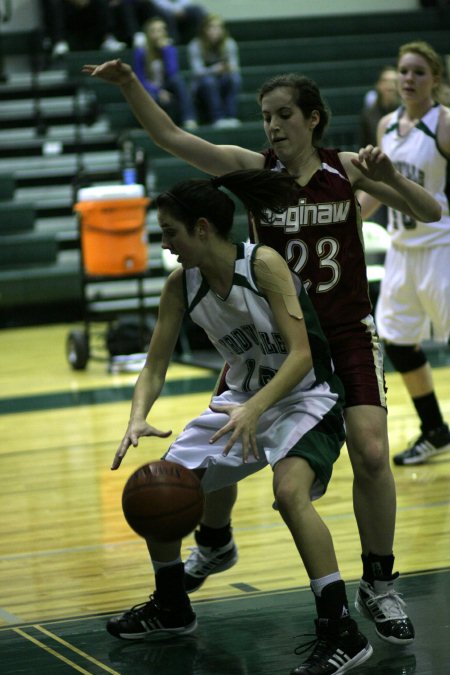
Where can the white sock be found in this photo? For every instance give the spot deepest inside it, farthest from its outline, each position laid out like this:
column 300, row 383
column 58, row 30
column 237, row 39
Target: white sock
column 317, row 585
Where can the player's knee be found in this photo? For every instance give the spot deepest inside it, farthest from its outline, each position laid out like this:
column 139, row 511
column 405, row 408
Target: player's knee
column 370, row 459
column 405, row 358
column 288, row 497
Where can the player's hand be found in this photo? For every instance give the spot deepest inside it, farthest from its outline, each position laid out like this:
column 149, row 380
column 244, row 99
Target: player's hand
column 114, row 72
column 134, row 432
column 242, row 425
column 374, row 163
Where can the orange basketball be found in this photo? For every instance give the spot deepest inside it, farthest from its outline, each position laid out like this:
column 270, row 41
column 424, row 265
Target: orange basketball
column 163, row 500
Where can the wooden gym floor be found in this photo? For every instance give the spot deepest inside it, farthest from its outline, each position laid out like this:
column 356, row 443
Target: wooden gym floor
column 69, row 561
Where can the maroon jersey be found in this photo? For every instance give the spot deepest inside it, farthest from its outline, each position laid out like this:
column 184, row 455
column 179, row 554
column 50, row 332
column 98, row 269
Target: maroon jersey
column 321, row 240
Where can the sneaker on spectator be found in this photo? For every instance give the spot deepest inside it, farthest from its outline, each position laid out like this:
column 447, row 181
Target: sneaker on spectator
column 383, row 605
column 110, row 44
column 189, row 125
column 233, row 122
column 150, row 618
column 139, row 40
column 205, row 560
column 59, row 49
column 220, row 124
column 427, row 445
column 337, row 648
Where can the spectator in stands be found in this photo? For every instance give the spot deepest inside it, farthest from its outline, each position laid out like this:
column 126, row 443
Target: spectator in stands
column 214, row 61
column 87, row 23
column 157, row 67
column 380, row 101
column 182, row 18
column 443, row 95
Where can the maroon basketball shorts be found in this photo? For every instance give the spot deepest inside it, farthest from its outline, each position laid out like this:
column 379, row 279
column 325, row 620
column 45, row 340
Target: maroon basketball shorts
column 358, row 359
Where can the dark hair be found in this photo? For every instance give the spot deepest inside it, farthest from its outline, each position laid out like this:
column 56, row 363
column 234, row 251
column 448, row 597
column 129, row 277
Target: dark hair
column 307, row 97
column 258, row 190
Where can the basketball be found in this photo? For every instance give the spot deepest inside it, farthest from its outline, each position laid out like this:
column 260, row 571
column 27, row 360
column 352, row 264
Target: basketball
column 163, row 500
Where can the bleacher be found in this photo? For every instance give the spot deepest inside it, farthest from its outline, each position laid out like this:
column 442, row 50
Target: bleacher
column 61, row 129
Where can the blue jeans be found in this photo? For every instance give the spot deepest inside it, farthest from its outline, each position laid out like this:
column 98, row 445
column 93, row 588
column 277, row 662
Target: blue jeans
column 219, row 93
column 184, row 107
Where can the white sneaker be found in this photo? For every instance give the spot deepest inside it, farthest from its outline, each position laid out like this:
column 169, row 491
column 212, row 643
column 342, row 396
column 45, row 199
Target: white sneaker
column 110, row 44
column 139, row 40
column 205, row 560
column 233, row 122
column 60, row 48
column 189, row 125
column 383, row 605
column 220, row 124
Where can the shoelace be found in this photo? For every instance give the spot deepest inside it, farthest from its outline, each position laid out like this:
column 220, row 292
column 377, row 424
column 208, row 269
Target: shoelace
column 393, row 605
column 321, row 646
column 136, row 609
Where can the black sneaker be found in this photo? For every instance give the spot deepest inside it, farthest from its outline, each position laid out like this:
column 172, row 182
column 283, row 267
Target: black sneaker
column 337, row 648
column 149, row 618
column 205, row 560
column 427, row 445
column 383, row 605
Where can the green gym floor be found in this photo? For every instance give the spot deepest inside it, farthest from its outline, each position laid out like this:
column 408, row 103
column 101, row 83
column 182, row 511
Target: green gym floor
column 251, row 635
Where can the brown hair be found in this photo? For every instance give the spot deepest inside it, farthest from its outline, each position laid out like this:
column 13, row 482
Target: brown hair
column 206, row 46
column 307, row 97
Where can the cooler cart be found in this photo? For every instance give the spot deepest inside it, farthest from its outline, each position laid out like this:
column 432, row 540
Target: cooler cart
column 113, row 250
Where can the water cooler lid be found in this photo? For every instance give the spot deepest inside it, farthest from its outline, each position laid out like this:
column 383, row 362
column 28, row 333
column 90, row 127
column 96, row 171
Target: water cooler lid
column 102, row 192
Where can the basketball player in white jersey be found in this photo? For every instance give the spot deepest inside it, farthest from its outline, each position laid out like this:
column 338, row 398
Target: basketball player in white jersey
column 283, row 405
column 414, row 302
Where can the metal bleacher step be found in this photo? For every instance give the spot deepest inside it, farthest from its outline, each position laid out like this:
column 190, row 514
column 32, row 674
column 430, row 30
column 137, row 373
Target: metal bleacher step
column 62, row 132
column 59, row 170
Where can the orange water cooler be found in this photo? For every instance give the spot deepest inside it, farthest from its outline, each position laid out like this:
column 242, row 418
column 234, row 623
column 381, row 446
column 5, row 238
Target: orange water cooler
column 113, row 229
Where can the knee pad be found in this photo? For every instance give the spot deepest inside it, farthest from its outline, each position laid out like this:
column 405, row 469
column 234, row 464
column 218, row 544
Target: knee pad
column 405, row 358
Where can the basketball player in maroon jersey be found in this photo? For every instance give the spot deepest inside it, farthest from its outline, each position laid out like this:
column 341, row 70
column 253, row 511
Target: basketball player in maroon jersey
column 320, row 236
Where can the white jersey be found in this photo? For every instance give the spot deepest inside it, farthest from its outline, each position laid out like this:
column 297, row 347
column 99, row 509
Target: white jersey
column 417, row 156
column 241, row 326
column 307, row 422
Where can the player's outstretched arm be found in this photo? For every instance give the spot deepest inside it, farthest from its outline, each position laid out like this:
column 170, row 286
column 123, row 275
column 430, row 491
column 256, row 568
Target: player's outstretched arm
column 377, row 176
column 152, row 377
column 206, row 156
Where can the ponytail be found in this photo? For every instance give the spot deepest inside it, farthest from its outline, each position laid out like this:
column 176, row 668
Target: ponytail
column 262, row 192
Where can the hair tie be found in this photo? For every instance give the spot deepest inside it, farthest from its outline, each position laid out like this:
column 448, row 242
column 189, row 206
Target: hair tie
column 216, row 181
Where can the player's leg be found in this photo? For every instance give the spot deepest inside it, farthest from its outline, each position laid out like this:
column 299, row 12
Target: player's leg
column 434, row 438
column 168, row 611
column 339, row 642
column 359, row 362
column 414, row 296
column 374, row 499
column 215, row 551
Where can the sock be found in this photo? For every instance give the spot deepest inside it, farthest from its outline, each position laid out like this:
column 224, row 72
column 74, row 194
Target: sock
column 427, row 408
column 332, row 603
column 170, row 590
column 377, row 567
column 317, row 585
column 213, row 537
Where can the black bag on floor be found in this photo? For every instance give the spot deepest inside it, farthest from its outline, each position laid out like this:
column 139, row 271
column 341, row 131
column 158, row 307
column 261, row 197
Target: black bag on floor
column 128, row 335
